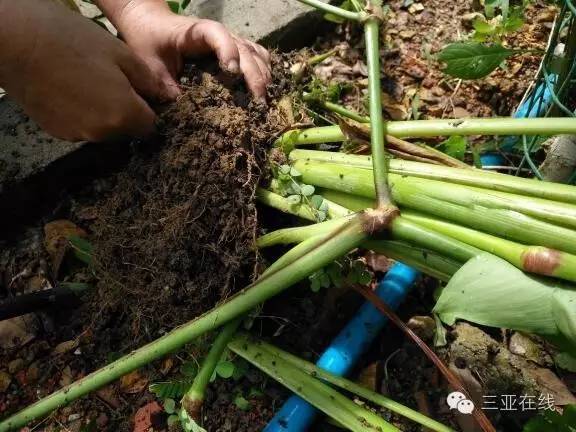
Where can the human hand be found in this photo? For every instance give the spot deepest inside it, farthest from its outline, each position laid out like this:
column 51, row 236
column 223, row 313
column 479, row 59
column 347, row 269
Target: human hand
column 163, row 39
column 75, row 80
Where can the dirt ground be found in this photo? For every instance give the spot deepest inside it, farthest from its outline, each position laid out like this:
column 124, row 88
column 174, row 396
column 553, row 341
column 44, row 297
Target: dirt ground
column 173, row 231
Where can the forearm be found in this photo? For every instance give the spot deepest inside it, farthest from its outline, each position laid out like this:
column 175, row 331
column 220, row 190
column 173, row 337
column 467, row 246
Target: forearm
column 21, row 24
column 120, row 12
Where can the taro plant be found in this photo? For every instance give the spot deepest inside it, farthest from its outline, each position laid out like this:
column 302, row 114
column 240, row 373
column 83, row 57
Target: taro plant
column 437, row 214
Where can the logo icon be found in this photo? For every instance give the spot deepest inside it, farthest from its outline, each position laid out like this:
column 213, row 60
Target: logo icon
column 458, row 401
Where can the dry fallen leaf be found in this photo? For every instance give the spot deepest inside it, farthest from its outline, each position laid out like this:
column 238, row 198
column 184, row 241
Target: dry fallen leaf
column 56, row 235
column 133, row 383
column 551, row 384
column 396, row 110
column 144, row 418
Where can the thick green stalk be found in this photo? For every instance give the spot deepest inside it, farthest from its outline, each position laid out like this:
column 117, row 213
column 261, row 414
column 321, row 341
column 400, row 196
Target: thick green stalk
column 299, row 234
column 532, row 259
column 244, row 346
column 352, row 416
column 377, row 136
column 443, row 127
column 194, row 398
column 326, row 7
column 424, row 260
column 504, row 223
column 326, row 249
column 477, row 178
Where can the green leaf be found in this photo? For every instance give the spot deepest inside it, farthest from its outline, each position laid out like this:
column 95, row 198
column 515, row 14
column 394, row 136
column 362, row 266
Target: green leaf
column 241, row 402
column 225, row 369
column 293, row 199
column 174, row 6
column 565, row 361
column 307, row 190
column 185, row 4
column 454, row 146
column 490, row 291
column 82, row 248
column 472, row 60
column 294, row 172
column 364, row 277
column 316, row 201
column 483, row 27
column 170, row 389
column 552, row 421
column 440, row 333
column 240, row 369
column 170, row 406
column 172, row 419
column 285, row 169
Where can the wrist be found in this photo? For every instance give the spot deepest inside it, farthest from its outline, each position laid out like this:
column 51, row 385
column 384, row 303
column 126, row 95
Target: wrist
column 129, row 14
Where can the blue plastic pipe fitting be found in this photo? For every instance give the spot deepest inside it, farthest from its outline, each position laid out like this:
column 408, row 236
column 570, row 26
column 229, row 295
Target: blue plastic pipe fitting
column 297, row 415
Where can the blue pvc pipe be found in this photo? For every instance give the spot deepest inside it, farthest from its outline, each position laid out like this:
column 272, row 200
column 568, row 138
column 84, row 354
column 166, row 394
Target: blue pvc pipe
column 297, row 415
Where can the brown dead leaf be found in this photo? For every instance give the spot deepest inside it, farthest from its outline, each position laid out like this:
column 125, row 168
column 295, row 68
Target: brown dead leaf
column 56, row 235
column 369, row 377
column 64, row 347
column 167, row 365
column 396, row 110
column 551, row 384
column 133, row 383
column 145, row 417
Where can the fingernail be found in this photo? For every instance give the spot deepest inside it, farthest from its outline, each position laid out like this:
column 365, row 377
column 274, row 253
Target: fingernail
column 232, row 66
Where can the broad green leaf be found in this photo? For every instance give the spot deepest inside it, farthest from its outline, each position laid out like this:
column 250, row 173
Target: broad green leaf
column 483, row 27
column 472, row 60
column 294, row 172
column 490, row 291
column 174, row 6
column 316, row 201
column 185, row 4
column 551, row 421
column 285, row 169
column 565, row 361
column 454, row 146
column 225, row 369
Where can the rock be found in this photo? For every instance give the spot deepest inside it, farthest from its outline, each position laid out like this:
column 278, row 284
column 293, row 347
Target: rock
column 64, row 347
column 524, row 346
column 18, row 331
column 423, row 326
column 415, row 8
column 16, row 365
column 5, row 380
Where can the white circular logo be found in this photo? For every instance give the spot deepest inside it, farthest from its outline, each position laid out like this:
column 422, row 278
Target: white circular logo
column 458, row 401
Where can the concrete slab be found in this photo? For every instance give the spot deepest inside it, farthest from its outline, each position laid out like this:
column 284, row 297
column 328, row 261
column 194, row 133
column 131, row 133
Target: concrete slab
column 26, row 152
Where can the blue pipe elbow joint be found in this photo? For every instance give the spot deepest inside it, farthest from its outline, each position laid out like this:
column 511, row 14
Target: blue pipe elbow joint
column 297, row 415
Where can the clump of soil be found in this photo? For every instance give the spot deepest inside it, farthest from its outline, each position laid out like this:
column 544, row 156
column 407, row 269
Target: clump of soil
column 176, row 233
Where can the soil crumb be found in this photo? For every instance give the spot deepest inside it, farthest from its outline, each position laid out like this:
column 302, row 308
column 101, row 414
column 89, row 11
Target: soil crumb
column 176, row 233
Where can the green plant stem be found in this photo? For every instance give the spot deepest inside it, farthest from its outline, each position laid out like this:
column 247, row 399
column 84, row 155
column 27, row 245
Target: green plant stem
column 441, row 127
column 325, row 250
column 504, row 223
column 253, row 351
column 194, row 398
column 533, row 259
column 338, row 109
column 377, row 136
column 326, row 7
column 272, row 199
column 424, row 260
column 324, row 397
column 477, row 178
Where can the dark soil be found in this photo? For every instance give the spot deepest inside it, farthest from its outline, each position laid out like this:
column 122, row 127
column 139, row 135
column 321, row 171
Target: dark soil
column 176, row 233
